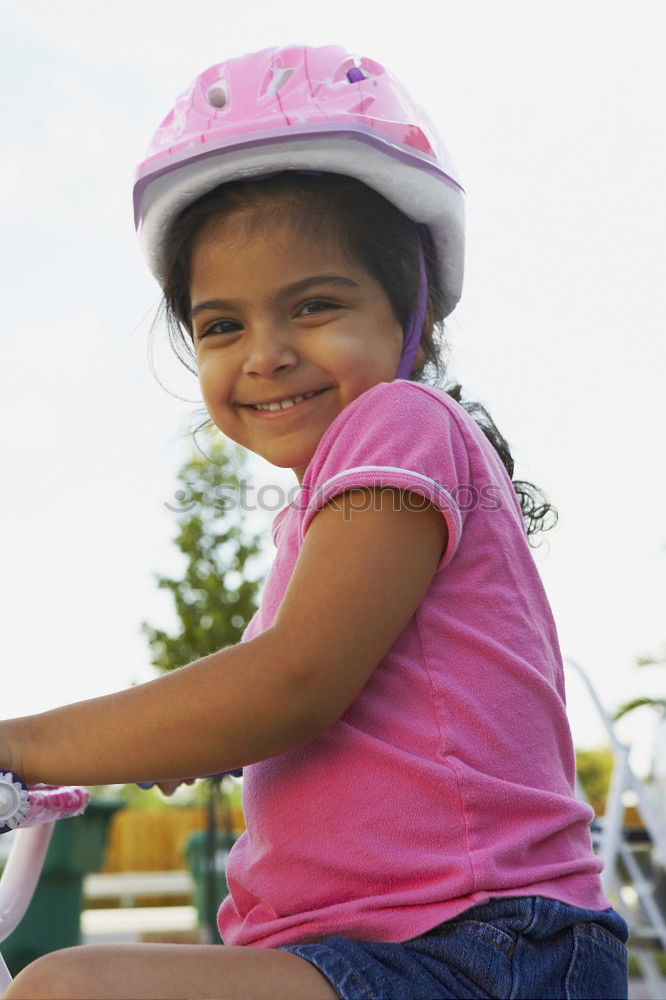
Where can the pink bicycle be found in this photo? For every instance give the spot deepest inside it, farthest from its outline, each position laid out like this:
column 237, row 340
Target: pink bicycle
column 32, row 812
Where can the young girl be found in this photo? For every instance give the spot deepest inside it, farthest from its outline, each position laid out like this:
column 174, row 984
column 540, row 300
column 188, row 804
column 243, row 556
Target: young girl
column 397, row 702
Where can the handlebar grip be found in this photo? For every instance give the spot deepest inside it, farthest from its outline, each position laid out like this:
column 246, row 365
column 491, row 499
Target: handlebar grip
column 21, row 806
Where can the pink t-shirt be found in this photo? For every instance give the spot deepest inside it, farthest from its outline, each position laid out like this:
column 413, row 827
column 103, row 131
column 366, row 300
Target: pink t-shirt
column 450, row 778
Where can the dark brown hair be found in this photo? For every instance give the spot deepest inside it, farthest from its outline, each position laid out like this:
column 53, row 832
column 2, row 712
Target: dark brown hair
column 370, row 232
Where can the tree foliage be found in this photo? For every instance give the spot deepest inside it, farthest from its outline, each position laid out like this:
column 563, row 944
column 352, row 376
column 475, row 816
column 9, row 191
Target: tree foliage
column 594, row 769
column 216, row 596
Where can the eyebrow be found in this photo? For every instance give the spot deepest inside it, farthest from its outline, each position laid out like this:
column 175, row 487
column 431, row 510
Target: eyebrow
column 282, row 293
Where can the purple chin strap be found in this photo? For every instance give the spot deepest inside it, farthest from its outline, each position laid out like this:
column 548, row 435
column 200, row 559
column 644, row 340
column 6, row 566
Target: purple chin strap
column 415, row 326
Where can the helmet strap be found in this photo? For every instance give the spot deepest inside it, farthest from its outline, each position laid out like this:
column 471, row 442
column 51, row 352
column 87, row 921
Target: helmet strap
column 415, row 326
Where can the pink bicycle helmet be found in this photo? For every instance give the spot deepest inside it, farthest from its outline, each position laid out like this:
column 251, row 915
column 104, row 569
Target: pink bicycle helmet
column 307, row 109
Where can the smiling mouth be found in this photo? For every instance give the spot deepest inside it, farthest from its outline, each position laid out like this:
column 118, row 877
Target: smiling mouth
column 277, row 410
column 288, row 403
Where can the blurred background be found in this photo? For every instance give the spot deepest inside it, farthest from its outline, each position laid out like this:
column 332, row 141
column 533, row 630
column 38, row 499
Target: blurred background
column 553, row 114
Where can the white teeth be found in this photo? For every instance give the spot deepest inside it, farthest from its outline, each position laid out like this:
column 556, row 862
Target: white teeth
column 285, row 404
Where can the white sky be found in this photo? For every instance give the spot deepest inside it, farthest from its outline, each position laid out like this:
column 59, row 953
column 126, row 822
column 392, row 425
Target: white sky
column 554, row 116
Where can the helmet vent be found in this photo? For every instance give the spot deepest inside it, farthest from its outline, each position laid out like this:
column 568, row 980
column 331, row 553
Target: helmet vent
column 355, row 74
column 217, row 95
column 280, row 76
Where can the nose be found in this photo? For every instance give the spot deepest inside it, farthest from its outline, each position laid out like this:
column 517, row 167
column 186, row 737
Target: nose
column 269, row 352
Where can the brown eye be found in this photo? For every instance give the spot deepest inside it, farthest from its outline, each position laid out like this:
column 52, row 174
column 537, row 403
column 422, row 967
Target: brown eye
column 319, row 302
column 213, row 328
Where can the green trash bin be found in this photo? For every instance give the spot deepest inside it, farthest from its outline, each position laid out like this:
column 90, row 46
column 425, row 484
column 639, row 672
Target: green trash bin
column 197, row 858
column 53, row 919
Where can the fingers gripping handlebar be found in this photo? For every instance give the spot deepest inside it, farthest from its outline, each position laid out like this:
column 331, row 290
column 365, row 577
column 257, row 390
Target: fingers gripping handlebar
column 221, row 774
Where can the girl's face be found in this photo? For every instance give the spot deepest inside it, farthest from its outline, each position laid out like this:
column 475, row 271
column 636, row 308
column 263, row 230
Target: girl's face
column 257, row 340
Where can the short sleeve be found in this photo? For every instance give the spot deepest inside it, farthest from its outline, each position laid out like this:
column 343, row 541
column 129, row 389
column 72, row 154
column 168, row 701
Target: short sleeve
column 395, row 435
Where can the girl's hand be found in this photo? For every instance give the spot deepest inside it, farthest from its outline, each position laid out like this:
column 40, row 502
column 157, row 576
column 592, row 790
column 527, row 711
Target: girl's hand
column 169, row 787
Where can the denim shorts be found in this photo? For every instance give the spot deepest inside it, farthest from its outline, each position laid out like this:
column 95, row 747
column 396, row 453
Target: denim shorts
column 523, row 946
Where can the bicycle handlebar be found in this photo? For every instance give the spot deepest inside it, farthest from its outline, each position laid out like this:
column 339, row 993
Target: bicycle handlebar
column 21, row 806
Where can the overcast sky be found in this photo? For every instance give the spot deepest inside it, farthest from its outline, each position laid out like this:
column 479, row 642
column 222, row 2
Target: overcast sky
column 554, row 116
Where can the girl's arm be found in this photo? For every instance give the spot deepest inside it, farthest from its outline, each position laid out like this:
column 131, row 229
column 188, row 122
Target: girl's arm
column 231, row 708
column 361, row 573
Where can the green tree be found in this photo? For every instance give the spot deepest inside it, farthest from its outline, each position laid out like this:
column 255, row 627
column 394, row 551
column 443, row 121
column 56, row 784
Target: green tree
column 214, row 599
column 594, row 769
column 216, row 596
